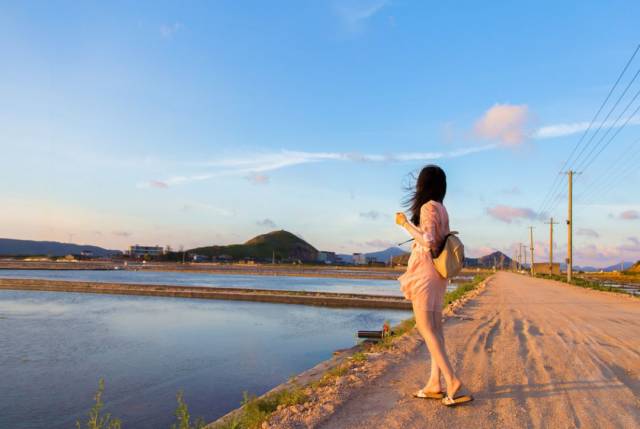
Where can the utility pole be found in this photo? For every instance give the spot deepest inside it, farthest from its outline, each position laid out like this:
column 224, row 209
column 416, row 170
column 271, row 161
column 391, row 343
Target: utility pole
column 531, row 247
column 570, row 173
column 523, row 250
column 551, row 223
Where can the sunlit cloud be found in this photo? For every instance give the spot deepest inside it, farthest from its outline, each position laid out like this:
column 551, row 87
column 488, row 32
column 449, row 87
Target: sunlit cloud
column 258, row 178
column 509, row 214
column 504, row 123
column 630, row 215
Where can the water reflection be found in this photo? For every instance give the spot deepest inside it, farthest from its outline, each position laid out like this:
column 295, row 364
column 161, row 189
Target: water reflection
column 312, row 284
column 55, row 346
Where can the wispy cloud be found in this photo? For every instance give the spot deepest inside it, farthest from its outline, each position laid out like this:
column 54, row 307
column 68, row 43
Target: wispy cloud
column 587, row 232
column 511, row 191
column 122, row 233
column 158, row 184
column 371, row 214
column 567, row 129
column 509, row 214
column 355, row 13
column 194, row 206
column 258, row 178
column 267, row 223
column 261, row 163
column 169, row 30
column 630, row 215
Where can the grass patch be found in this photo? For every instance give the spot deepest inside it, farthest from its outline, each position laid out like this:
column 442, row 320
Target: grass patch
column 463, row 288
column 580, row 282
column 255, row 410
column 183, row 416
column 359, row 357
column 96, row 420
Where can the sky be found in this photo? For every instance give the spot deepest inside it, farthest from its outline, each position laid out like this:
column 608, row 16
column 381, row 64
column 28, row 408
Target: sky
column 199, row 123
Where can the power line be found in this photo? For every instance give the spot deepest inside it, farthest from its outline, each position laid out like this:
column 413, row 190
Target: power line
column 604, row 121
column 559, row 179
column 624, row 165
column 618, row 130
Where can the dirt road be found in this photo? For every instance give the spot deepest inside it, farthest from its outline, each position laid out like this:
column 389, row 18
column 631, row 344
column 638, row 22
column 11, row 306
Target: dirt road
column 535, row 354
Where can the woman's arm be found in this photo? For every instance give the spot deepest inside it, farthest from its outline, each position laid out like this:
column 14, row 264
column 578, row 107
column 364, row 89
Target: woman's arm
column 424, row 238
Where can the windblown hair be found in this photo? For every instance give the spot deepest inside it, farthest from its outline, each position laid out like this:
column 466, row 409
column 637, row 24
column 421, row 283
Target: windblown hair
column 431, row 185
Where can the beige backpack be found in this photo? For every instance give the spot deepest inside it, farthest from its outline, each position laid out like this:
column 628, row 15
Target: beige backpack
column 450, row 260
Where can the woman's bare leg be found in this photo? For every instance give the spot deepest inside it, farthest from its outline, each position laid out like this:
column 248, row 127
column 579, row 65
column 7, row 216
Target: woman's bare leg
column 427, row 323
column 433, row 385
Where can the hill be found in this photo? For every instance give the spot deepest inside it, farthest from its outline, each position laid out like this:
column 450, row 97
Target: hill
column 12, row 247
column 487, row 261
column 496, row 258
column 282, row 244
column 635, row 268
column 380, row 256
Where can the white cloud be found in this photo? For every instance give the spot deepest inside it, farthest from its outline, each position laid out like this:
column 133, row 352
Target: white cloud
column 169, row 30
column 260, row 163
column 355, row 13
column 567, row 129
column 504, row 123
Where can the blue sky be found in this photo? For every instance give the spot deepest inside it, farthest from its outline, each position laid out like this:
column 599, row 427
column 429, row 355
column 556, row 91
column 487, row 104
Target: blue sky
column 166, row 123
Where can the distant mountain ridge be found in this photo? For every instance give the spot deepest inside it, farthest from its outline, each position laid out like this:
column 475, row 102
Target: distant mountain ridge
column 496, row 258
column 380, row 256
column 14, row 247
column 281, row 245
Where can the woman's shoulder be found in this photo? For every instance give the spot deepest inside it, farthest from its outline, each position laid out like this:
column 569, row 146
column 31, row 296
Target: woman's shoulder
column 432, row 205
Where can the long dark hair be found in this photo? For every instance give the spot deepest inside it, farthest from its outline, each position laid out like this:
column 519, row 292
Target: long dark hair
column 431, row 185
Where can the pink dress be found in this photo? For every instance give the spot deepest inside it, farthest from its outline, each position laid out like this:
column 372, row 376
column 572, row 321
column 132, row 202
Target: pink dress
column 421, row 283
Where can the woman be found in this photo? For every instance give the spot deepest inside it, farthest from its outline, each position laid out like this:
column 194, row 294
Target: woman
column 423, row 285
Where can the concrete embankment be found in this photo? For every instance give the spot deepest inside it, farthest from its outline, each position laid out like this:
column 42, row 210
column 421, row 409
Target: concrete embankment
column 326, row 299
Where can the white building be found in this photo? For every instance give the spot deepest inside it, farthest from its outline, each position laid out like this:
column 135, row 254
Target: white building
column 359, row 259
column 137, row 251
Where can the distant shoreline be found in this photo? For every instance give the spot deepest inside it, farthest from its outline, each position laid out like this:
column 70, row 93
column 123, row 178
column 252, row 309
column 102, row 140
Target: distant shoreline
column 332, row 271
column 323, row 299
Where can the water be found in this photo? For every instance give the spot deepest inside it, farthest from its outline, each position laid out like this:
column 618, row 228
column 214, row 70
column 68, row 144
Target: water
column 55, row 346
column 633, row 289
column 311, row 284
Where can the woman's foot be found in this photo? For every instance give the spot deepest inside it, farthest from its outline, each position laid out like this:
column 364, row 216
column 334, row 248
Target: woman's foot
column 433, row 388
column 453, row 388
column 455, row 395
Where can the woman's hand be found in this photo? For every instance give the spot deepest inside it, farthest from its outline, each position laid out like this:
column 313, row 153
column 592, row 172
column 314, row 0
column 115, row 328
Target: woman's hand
column 401, row 218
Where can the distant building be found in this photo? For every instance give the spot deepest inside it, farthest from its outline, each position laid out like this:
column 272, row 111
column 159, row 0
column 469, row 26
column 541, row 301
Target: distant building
column 325, row 257
column 545, row 268
column 359, row 259
column 137, row 251
column 86, row 254
column 200, row 258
